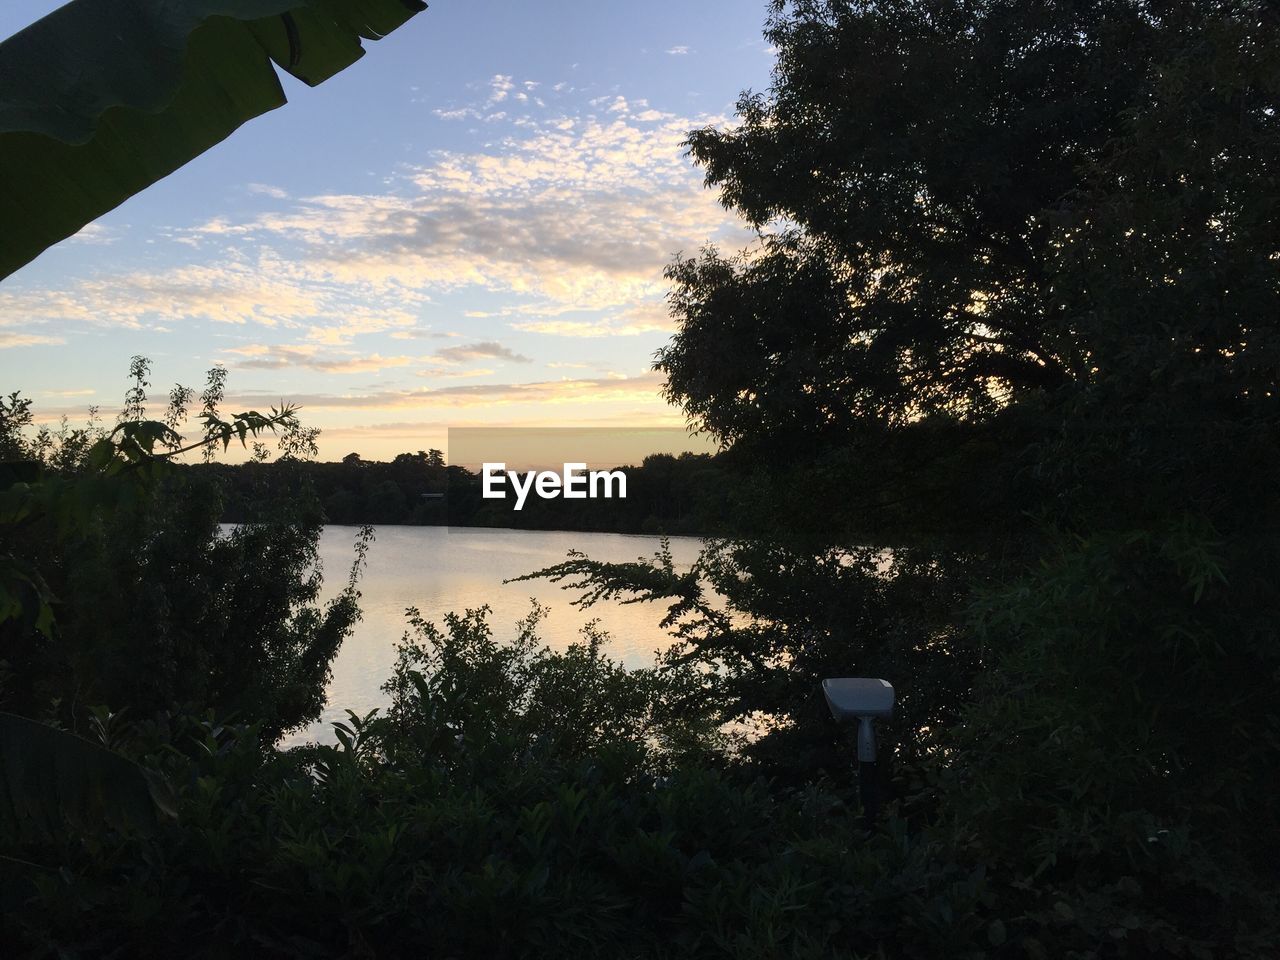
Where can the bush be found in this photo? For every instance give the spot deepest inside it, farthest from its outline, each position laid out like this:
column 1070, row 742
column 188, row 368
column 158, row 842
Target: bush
column 122, row 590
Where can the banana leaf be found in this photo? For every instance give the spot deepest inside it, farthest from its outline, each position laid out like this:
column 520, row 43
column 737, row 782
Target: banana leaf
column 52, row 781
column 102, row 98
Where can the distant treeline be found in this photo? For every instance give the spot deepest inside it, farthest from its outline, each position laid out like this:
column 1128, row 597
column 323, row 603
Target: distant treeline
column 689, row 494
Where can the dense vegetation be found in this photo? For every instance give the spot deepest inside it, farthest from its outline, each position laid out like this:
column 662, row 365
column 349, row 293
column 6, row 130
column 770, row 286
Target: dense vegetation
column 691, row 494
column 1010, row 330
column 114, row 558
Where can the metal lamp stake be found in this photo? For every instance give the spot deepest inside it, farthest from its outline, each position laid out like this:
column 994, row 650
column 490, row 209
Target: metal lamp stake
column 862, row 699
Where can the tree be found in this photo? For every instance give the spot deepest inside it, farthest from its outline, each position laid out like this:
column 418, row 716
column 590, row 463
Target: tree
column 1013, row 316
column 99, row 100
column 977, row 217
column 119, row 589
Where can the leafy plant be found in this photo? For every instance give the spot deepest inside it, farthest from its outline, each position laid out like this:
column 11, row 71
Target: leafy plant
column 119, row 560
column 54, row 781
column 99, row 100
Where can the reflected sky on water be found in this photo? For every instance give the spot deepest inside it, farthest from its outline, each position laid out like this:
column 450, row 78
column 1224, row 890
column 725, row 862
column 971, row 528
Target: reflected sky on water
column 439, row 569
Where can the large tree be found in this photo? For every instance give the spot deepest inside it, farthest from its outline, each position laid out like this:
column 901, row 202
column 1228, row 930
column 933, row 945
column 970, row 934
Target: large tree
column 1013, row 313
column 1001, row 219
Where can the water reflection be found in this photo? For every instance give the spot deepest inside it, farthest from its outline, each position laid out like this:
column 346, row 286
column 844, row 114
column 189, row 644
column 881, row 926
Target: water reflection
column 439, row 569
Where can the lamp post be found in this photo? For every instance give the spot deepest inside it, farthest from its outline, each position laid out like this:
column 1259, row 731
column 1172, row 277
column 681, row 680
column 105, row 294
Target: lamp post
column 862, row 699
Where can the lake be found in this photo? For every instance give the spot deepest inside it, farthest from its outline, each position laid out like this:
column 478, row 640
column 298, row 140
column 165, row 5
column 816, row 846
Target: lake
column 443, row 569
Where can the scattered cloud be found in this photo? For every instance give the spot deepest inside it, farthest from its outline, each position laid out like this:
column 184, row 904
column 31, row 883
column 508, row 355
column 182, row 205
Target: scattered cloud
column 500, row 87
column 277, row 356
column 458, row 113
column 266, row 290
column 641, row 388
column 8, row 340
column 448, row 374
column 94, row 233
column 580, row 214
column 487, row 350
column 645, row 318
column 421, row 333
column 561, row 227
column 266, row 190
column 679, row 51
column 397, row 435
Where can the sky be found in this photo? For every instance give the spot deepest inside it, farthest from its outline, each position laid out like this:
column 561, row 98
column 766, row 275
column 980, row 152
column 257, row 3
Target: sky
column 468, row 227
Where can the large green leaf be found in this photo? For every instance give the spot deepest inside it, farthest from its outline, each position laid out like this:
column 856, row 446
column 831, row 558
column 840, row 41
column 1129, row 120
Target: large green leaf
column 52, row 781
column 102, row 98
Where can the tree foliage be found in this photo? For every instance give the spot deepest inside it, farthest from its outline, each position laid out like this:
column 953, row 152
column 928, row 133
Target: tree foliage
column 934, row 181
column 102, row 98
column 1012, row 317
column 691, row 494
column 121, row 589
column 1004, row 355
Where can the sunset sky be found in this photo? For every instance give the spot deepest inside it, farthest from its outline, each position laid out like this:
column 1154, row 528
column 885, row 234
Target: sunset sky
column 468, row 227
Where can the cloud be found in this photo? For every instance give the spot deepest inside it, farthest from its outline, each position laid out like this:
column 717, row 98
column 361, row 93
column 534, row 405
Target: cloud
column 645, row 318
column 94, row 233
column 420, row 333
column 586, row 392
column 386, row 439
column 268, row 290
column 579, row 213
column 679, row 51
column 589, row 329
column 569, row 221
column 447, row 374
column 69, row 393
column 260, row 356
column 582, row 214
column 266, row 190
column 459, row 113
column 230, row 292
column 500, row 87
column 487, row 350
column 278, row 356
column 8, row 340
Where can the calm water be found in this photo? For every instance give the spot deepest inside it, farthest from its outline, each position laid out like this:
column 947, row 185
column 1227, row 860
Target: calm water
column 439, row 569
